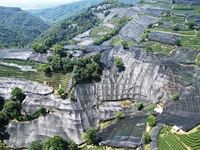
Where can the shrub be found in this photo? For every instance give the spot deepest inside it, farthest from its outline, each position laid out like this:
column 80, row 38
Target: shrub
column 144, row 36
column 178, row 42
column 42, row 111
column 176, row 96
column 175, row 27
column 58, row 49
column 1, row 104
column 48, row 42
column 61, row 92
column 146, row 137
column 127, row 103
column 35, row 145
column 11, row 109
column 119, row 115
column 89, row 135
column 190, row 24
column 45, row 68
column 151, row 120
column 139, row 105
column 118, row 62
column 55, row 143
column 16, row 94
column 39, row 48
column 56, row 63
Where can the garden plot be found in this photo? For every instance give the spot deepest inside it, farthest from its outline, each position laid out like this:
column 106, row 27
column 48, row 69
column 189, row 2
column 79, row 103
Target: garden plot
column 164, row 37
column 22, row 68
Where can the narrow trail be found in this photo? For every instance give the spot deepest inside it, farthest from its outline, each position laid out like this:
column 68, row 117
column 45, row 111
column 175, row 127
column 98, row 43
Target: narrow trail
column 190, row 35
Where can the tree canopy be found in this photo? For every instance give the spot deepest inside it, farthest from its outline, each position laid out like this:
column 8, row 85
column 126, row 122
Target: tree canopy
column 39, row 47
column 55, row 143
column 118, row 62
column 151, row 120
column 35, row 145
column 58, row 49
column 89, row 135
column 17, row 94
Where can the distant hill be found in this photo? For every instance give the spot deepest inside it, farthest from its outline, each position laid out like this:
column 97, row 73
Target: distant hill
column 18, row 28
column 52, row 15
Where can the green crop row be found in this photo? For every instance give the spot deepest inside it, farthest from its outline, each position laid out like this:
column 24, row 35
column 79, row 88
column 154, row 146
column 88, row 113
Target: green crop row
column 54, row 79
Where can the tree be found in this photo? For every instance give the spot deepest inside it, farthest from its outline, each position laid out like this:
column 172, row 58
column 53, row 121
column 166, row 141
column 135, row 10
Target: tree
column 58, row 49
column 11, row 109
column 89, row 135
column 39, row 48
column 87, row 68
column 67, row 64
column 176, row 96
column 1, row 104
column 119, row 115
column 35, row 145
column 146, row 137
column 93, row 69
column 151, row 120
column 139, row 105
column 48, row 42
column 56, row 63
column 72, row 146
column 118, row 62
column 17, row 94
column 55, row 143
column 3, row 119
column 97, row 57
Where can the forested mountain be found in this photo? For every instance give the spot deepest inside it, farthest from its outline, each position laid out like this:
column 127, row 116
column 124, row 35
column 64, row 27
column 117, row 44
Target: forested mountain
column 18, row 28
column 52, row 15
column 65, row 30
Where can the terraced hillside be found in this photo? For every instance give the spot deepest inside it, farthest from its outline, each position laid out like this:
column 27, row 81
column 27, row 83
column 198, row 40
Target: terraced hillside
column 170, row 140
column 155, row 42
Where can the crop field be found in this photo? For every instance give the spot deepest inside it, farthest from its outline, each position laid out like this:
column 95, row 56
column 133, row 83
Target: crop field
column 23, row 63
column 159, row 47
column 55, row 79
column 176, row 141
column 187, row 9
column 100, row 29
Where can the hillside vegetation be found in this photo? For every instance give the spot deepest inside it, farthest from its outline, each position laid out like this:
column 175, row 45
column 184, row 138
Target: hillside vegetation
column 18, row 28
column 56, row 14
column 65, row 30
column 52, row 15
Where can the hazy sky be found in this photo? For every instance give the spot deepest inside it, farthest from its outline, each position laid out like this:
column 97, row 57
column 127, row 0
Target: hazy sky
column 33, row 4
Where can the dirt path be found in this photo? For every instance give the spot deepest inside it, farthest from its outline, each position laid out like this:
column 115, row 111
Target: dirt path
column 174, row 33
